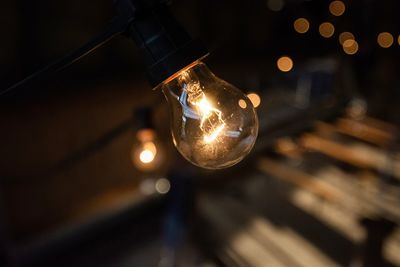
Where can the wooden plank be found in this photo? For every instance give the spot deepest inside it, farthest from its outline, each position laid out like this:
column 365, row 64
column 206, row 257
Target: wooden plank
column 257, row 240
column 358, row 155
column 362, row 129
column 298, row 178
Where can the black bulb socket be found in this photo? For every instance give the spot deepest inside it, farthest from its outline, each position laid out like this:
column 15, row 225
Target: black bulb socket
column 166, row 46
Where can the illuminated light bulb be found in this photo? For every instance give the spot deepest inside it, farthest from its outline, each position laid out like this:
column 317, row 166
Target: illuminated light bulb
column 385, row 39
column 284, row 64
column 326, row 29
column 255, row 99
column 337, row 8
column 213, row 124
column 301, row 25
column 147, row 151
column 350, row 47
column 344, row 36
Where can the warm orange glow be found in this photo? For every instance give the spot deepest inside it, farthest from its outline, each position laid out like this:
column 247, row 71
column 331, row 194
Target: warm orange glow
column 287, row 147
column 214, row 134
column 145, row 135
column 398, row 39
column 337, row 8
column 326, row 29
column 385, row 39
column 285, row 63
column 255, row 99
column 148, row 153
column 207, row 110
column 301, row 25
column 242, row 104
column 146, row 156
column 350, row 47
column 344, row 36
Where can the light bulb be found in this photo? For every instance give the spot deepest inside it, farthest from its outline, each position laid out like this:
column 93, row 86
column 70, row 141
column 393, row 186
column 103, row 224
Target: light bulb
column 213, row 124
column 147, row 151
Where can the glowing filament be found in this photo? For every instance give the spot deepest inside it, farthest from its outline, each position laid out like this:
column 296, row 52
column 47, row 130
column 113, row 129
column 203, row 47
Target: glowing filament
column 211, row 122
column 210, row 138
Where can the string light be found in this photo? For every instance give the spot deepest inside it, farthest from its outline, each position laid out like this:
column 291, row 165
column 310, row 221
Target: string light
column 147, row 152
column 326, row 29
column 255, row 99
column 337, row 8
column 284, row 64
column 301, row 25
column 344, row 36
column 214, row 125
column 350, row 46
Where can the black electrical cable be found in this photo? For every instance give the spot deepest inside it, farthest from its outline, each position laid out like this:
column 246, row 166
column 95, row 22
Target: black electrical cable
column 75, row 157
column 70, row 160
column 117, row 26
column 166, row 46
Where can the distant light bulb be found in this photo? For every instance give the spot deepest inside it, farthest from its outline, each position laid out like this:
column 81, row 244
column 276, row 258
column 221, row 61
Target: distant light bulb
column 146, row 152
column 213, row 124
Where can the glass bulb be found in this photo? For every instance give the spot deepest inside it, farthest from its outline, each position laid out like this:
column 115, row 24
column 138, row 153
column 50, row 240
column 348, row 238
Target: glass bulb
column 214, row 125
column 147, row 151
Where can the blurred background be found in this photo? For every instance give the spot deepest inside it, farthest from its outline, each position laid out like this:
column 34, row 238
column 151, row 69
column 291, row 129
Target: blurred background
column 320, row 188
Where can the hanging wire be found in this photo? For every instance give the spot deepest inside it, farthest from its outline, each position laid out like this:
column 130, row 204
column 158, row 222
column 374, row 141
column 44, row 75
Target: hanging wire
column 117, row 26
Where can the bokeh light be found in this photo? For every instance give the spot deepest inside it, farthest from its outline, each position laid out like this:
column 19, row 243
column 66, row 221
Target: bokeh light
column 326, row 29
column 385, row 39
column 284, row 63
column 163, row 186
column 301, row 25
column 242, row 104
column 350, row 46
column 337, row 8
column 255, row 99
column 344, row 36
column 275, row 5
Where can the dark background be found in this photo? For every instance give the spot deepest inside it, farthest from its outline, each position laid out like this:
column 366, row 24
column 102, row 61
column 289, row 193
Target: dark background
column 46, row 179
